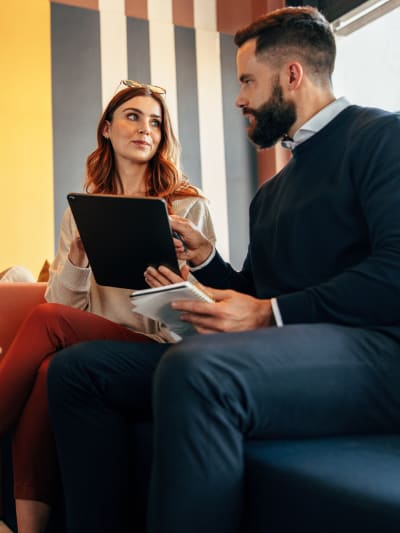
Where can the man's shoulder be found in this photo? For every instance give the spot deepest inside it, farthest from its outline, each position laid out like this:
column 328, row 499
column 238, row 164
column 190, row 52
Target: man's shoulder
column 370, row 125
column 373, row 117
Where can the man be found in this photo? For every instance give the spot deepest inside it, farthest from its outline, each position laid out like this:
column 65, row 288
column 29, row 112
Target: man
column 323, row 262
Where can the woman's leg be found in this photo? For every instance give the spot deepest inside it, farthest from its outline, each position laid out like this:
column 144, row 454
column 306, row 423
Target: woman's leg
column 35, row 460
column 36, row 477
column 49, row 327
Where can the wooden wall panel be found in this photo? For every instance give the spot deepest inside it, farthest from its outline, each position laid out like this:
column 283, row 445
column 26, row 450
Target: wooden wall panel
column 87, row 4
column 183, row 13
column 136, row 9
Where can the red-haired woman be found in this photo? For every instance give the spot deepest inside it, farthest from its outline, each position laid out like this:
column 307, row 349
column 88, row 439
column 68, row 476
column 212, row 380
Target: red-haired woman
column 137, row 155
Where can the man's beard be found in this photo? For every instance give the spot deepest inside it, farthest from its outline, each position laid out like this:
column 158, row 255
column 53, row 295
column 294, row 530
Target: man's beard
column 272, row 119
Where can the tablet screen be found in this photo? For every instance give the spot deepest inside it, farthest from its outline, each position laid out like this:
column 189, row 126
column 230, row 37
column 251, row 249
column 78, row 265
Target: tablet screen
column 122, row 236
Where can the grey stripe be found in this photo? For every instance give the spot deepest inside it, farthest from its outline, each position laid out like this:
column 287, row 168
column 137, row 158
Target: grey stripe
column 188, row 114
column 138, row 50
column 76, row 86
column 240, row 157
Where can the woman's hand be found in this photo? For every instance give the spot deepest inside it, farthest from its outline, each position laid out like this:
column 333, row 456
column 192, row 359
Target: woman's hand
column 77, row 254
column 164, row 276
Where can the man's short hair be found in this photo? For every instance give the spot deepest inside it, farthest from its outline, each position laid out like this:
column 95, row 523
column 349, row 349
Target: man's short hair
column 302, row 32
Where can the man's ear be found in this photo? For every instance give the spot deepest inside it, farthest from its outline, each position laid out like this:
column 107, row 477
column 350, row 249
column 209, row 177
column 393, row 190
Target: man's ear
column 295, row 75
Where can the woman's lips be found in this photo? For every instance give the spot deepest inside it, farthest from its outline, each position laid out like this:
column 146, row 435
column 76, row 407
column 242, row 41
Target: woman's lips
column 142, row 144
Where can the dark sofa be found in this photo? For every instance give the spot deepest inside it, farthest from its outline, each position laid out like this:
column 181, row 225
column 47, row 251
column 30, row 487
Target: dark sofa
column 330, row 485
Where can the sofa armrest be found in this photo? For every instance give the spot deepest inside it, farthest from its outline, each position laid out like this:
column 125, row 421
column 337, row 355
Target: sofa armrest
column 16, row 301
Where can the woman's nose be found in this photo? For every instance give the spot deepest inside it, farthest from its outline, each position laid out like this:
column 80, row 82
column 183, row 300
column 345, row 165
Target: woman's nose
column 144, row 129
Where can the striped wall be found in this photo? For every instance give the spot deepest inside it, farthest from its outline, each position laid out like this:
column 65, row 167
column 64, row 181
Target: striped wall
column 172, row 43
column 77, row 51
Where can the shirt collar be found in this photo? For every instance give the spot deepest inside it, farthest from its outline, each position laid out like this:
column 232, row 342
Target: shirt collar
column 316, row 123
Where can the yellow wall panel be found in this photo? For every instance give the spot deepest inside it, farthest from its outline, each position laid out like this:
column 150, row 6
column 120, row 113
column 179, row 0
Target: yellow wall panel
column 26, row 164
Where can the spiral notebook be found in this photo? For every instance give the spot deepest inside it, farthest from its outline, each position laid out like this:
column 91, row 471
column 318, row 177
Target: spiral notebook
column 156, row 303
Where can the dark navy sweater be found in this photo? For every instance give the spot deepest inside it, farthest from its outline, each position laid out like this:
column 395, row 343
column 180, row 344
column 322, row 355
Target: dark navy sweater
column 325, row 231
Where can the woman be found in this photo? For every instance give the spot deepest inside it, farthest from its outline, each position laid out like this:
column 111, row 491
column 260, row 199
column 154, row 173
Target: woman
column 137, row 155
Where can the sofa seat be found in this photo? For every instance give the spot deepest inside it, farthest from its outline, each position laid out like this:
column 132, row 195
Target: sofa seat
column 330, row 485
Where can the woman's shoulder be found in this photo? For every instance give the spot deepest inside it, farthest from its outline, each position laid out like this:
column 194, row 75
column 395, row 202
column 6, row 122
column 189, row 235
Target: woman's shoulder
column 182, row 204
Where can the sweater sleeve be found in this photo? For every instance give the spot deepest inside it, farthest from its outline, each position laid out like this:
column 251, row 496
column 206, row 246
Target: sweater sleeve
column 221, row 275
column 368, row 293
column 68, row 284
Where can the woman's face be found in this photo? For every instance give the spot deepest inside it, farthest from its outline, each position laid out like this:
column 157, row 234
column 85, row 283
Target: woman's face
column 135, row 129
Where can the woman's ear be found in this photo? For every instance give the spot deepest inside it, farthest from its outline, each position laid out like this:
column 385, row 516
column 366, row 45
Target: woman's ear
column 106, row 129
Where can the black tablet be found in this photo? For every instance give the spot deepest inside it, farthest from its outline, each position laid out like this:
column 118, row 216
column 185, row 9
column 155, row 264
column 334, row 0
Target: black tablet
column 122, row 236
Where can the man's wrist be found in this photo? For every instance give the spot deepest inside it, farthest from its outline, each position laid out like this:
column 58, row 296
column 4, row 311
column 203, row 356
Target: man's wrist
column 270, row 318
column 203, row 257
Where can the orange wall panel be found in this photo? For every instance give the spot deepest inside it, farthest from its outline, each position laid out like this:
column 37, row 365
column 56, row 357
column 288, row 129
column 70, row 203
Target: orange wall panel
column 183, row 13
column 136, row 9
column 88, row 4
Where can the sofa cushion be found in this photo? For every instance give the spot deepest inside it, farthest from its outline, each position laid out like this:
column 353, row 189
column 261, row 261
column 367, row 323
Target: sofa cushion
column 327, row 485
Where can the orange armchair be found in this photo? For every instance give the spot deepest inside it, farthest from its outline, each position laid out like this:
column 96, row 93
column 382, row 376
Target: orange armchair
column 16, row 301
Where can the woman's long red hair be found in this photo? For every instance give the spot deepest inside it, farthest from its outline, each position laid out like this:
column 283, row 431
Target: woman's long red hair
column 165, row 178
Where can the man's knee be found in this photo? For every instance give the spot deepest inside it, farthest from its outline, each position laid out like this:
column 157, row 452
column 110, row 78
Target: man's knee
column 188, row 368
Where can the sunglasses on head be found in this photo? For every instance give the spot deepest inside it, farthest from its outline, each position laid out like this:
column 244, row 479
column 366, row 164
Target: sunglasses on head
column 155, row 89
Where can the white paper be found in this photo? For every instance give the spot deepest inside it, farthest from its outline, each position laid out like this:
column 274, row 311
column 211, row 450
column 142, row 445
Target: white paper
column 156, row 303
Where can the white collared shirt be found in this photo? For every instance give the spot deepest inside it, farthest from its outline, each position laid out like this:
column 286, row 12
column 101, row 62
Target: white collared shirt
column 316, row 123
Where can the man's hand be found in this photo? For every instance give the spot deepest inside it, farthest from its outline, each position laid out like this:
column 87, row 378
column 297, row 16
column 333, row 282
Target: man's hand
column 196, row 248
column 232, row 311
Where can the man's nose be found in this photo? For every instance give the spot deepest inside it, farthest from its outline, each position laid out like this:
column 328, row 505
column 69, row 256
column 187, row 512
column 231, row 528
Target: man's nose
column 240, row 101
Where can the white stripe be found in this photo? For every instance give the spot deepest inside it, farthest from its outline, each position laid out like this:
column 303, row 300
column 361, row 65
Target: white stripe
column 205, row 14
column 160, row 10
column 113, row 46
column 212, row 151
column 162, row 53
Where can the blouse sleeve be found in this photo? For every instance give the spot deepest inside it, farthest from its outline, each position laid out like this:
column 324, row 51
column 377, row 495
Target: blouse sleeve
column 68, row 284
column 199, row 214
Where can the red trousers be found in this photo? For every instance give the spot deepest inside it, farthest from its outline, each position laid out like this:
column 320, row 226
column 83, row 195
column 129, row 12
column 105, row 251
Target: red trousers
column 23, row 390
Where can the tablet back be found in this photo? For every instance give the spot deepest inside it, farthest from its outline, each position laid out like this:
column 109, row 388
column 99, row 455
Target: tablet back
column 122, row 236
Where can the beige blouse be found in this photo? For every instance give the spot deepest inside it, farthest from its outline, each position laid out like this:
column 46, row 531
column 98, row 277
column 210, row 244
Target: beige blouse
column 76, row 286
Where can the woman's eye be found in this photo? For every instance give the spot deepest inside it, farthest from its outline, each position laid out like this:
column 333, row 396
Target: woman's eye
column 132, row 116
column 156, row 123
